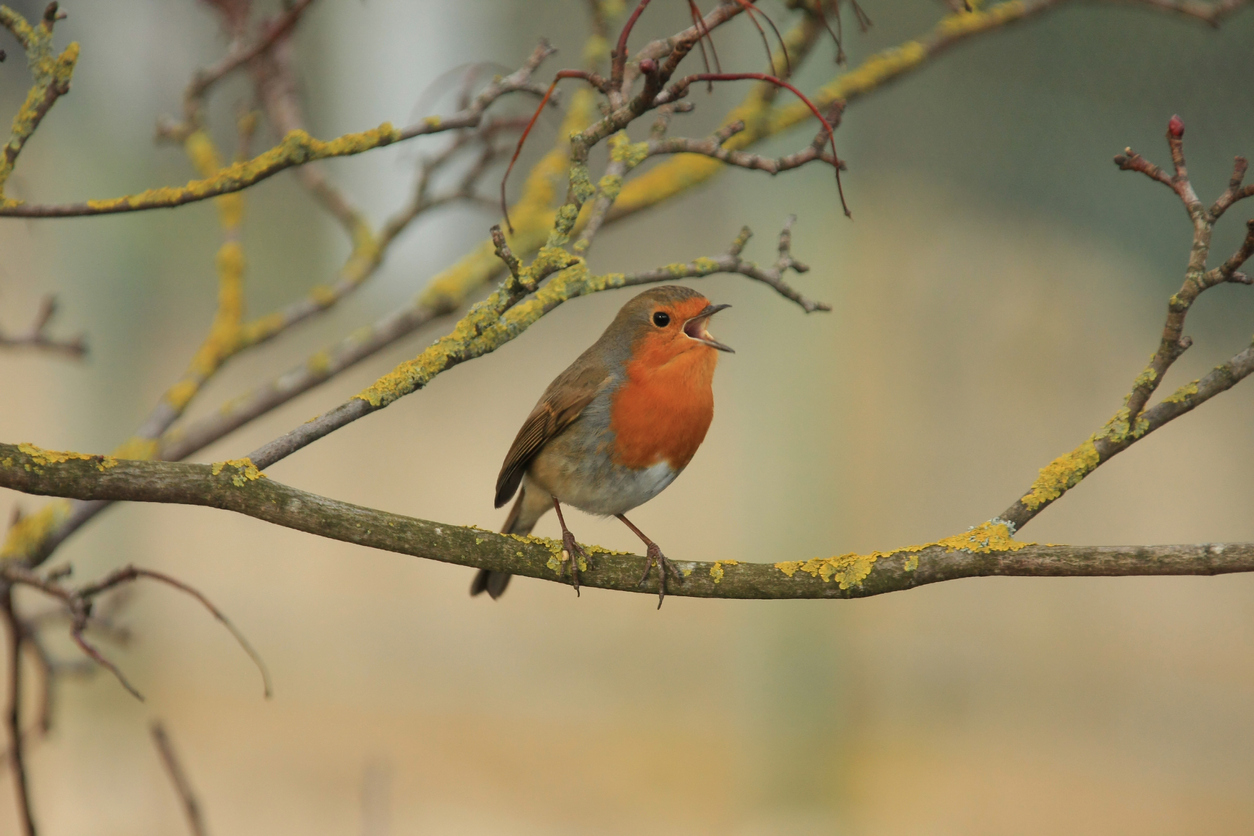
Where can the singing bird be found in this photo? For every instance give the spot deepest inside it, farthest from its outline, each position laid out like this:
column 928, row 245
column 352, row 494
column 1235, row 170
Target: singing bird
column 614, row 429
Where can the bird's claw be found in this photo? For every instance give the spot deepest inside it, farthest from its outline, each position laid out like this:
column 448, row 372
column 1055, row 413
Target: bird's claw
column 654, row 555
column 574, row 551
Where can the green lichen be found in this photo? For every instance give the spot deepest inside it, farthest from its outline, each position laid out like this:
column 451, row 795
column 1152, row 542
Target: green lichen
column 623, row 150
column 563, row 224
column 580, row 183
column 610, row 185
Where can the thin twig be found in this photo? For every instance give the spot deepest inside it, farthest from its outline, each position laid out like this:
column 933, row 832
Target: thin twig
column 182, row 786
column 36, row 336
column 13, row 715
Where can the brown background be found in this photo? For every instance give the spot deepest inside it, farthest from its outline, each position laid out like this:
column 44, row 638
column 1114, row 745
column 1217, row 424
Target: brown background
column 998, row 289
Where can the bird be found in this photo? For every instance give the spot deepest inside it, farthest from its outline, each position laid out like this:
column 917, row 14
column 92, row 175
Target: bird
column 616, row 427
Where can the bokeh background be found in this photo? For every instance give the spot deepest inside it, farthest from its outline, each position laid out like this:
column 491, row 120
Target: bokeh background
column 999, row 287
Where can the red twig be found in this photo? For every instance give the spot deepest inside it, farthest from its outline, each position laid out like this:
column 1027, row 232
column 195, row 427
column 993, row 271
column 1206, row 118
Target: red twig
column 704, row 35
column 619, row 58
column 131, row 573
column 750, row 8
column 592, row 78
column 76, row 633
column 682, row 84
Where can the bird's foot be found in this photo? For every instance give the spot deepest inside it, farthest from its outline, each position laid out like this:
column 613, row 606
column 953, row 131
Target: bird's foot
column 653, row 554
column 573, row 551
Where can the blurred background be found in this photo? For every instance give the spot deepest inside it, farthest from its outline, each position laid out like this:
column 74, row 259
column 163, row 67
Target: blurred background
column 999, row 287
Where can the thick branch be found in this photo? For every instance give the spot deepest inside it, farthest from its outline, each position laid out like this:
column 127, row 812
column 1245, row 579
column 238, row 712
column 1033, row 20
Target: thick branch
column 237, row 486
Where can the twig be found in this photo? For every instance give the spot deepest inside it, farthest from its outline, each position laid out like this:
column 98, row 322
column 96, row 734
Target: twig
column 13, row 715
column 129, row 574
column 37, row 336
column 240, row 54
column 297, row 148
column 490, row 325
column 1134, row 421
column 79, row 602
column 182, row 786
column 52, row 80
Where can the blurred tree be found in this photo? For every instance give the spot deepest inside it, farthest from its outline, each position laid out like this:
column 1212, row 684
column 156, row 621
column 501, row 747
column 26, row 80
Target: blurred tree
column 527, row 270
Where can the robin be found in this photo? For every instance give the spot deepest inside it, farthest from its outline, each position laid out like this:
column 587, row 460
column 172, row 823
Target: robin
column 616, row 427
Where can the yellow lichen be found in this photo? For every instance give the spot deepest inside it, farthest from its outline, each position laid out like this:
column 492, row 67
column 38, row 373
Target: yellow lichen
column 716, row 571
column 319, row 363
column 684, row 171
column 532, row 218
column 1061, row 474
column 51, row 79
column 1183, row 393
column 40, row 456
column 625, row 151
column 136, row 447
column 323, row 296
column 27, row 535
column 245, row 471
column 851, row 569
column 297, row 148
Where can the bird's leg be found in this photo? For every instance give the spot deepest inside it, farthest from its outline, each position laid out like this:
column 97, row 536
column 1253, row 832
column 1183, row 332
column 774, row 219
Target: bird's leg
column 653, row 554
column 572, row 549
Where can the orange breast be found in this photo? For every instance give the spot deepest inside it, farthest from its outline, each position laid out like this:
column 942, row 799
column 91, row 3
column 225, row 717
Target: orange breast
column 663, row 409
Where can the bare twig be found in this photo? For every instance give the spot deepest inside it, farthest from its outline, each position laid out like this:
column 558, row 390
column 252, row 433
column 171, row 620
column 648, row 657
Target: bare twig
column 182, row 786
column 239, row 55
column 79, row 603
column 37, row 336
column 297, row 148
column 132, row 573
column 1134, row 421
column 13, row 714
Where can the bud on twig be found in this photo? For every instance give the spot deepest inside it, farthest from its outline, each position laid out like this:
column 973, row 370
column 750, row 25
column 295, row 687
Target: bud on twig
column 1175, row 127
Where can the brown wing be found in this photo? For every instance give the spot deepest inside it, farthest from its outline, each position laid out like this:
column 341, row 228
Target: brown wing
column 559, row 406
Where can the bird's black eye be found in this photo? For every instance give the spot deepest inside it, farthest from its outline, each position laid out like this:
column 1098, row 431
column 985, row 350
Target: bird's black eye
column 661, row 319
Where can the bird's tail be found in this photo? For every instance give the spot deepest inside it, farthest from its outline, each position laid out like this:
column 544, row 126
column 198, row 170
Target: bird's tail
column 531, row 504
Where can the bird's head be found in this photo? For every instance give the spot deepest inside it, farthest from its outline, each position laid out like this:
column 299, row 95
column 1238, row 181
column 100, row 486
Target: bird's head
column 664, row 323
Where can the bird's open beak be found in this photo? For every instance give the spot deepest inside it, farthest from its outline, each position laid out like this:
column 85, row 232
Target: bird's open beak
column 695, row 328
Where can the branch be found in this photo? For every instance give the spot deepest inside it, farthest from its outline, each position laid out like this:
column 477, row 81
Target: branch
column 79, row 603
column 763, row 120
column 13, row 715
column 984, row 551
column 498, row 320
column 1134, row 421
column 191, row 807
column 296, row 148
column 37, row 336
column 52, row 80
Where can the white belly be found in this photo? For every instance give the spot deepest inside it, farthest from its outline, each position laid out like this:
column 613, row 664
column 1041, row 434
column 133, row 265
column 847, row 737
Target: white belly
column 616, row 490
